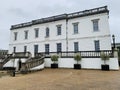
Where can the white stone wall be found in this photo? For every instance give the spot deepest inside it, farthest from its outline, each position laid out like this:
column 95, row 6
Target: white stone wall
column 86, row 63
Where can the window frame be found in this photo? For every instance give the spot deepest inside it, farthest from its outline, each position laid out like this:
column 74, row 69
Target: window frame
column 97, row 45
column 36, row 32
column 47, row 48
column 36, row 48
column 15, row 36
column 47, row 34
column 25, row 48
column 59, row 30
column 14, row 49
column 95, row 23
column 76, row 46
column 26, row 34
column 59, row 47
column 75, row 30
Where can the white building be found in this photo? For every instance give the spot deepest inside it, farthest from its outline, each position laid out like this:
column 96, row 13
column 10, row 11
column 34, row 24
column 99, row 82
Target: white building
column 86, row 30
column 79, row 31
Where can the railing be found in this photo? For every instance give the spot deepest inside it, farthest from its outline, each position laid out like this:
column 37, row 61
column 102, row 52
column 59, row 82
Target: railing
column 62, row 16
column 88, row 12
column 43, row 20
column 21, row 54
column 33, row 62
column 84, row 54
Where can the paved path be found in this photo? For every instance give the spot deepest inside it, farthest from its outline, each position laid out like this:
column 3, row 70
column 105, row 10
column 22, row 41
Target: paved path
column 63, row 79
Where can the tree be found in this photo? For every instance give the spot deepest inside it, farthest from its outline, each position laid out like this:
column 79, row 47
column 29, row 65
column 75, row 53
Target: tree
column 77, row 57
column 104, row 57
column 54, row 58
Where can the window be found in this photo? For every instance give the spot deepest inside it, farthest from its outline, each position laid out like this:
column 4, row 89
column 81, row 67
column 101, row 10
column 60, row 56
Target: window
column 47, row 32
column 26, row 34
column 59, row 47
column 15, row 36
column 95, row 25
column 75, row 27
column 25, row 48
column 14, row 49
column 36, row 32
column 76, row 46
column 35, row 48
column 97, row 45
column 59, row 30
column 47, row 48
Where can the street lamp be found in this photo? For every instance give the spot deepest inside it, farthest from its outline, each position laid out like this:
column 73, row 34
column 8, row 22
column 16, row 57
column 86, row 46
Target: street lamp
column 113, row 37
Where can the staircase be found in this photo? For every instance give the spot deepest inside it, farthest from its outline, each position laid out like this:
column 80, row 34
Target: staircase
column 32, row 63
column 14, row 55
column 5, row 60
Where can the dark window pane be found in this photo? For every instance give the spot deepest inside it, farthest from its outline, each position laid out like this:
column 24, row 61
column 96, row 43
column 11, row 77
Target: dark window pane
column 14, row 49
column 35, row 48
column 75, row 28
column 47, row 32
column 97, row 45
column 95, row 25
column 25, row 48
column 26, row 34
column 58, row 30
column 76, row 47
column 15, row 35
column 36, row 32
column 59, row 47
column 46, row 48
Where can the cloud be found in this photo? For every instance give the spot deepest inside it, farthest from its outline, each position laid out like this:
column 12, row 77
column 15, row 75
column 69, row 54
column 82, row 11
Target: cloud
column 18, row 11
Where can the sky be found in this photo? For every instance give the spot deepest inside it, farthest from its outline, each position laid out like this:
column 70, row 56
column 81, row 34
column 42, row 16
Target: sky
column 19, row 11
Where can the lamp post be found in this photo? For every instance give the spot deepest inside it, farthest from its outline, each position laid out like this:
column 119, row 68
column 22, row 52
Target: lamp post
column 113, row 37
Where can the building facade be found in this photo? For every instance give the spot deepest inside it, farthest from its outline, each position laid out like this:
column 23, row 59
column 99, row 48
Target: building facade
column 80, row 31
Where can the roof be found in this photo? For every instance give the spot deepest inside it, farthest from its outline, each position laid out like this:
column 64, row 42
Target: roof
column 84, row 13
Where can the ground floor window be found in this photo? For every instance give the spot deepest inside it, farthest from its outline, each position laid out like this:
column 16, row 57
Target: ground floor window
column 97, row 45
column 25, row 48
column 35, row 48
column 14, row 49
column 47, row 48
column 76, row 46
column 59, row 47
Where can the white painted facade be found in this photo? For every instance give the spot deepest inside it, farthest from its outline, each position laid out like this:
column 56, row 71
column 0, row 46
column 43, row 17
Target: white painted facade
column 85, row 38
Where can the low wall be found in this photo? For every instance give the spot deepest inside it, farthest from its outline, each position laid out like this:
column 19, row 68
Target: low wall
column 86, row 63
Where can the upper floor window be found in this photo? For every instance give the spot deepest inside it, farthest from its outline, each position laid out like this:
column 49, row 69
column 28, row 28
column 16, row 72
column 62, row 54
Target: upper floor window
column 47, row 48
column 58, row 29
column 75, row 27
column 59, row 47
column 15, row 35
column 97, row 45
column 36, row 32
column 26, row 34
column 76, row 46
column 47, row 32
column 95, row 25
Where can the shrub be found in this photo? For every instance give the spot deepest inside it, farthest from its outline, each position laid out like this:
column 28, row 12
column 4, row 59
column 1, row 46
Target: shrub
column 77, row 57
column 54, row 58
column 104, row 57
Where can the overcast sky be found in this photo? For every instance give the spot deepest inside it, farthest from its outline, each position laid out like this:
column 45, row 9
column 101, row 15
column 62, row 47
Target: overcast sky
column 18, row 11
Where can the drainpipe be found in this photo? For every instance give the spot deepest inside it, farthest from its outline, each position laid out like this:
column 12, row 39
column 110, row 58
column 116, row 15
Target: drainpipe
column 66, row 34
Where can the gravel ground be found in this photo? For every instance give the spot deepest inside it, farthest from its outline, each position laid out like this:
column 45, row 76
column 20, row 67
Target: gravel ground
column 63, row 79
